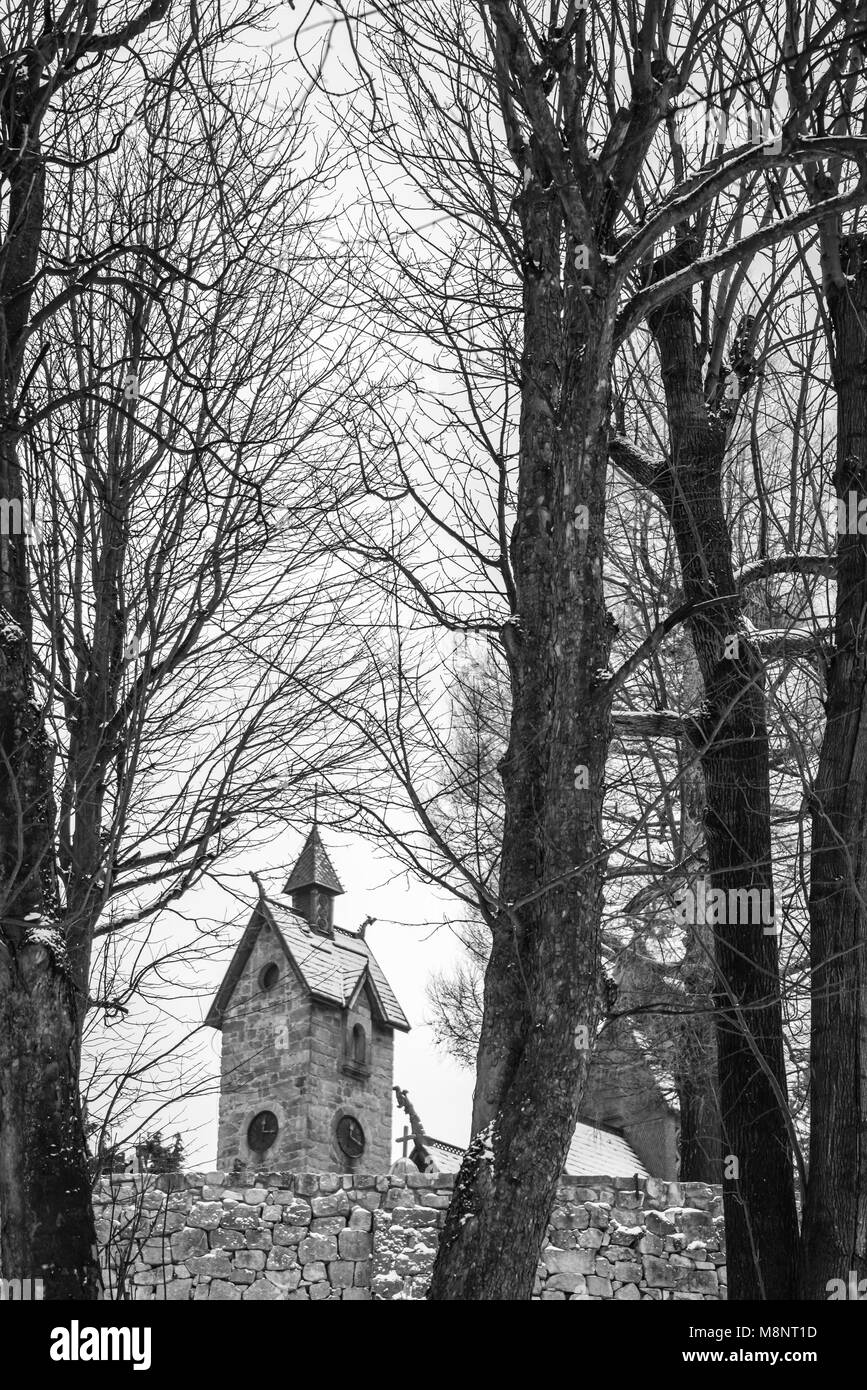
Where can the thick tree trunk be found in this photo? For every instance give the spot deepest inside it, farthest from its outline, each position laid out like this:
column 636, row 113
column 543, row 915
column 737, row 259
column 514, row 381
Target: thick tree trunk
column 697, row 1065
column 47, row 1232
column 45, row 1213
column 541, row 984
column 47, row 1222
column 835, row 1213
column 761, row 1219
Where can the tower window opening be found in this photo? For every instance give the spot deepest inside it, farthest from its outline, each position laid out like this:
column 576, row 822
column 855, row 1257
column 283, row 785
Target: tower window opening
column 269, row 975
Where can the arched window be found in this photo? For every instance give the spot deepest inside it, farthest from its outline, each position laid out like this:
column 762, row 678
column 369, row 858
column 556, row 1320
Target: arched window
column 359, row 1046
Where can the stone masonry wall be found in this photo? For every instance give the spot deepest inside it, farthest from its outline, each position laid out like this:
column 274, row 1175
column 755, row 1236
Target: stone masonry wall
column 304, row 1236
column 284, row 1053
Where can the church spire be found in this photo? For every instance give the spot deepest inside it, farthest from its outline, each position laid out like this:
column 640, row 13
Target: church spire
column 313, row 885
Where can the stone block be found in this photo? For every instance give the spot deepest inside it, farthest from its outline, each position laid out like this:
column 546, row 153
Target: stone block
column 399, row 1197
column 335, row 1205
column 566, row 1283
column 317, row 1248
column 599, row 1288
column 419, row 1216
column 313, row 1273
column 340, row 1273
column 263, row 1291
column 627, row 1272
column 216, row 1264
column 327, row 1225
column 693, row 1222
column 568, row 1261
column 219, row 1290
column 227, row 1240
column 284, row 1278
column 650, row 1245
column 249, row 1259
column 628, row 1291
column 360, row 1220
column 179, row 1290
column 659, row 1224
column 625, row 1235
column 703, row 1281
column 288, row 1235
column 208, row 1215
column 590, row 1239
column 189, row 1242
column 296, row 1213
column 155, row 1253
column 657, row 1273
column 320, row 1291
column 241, row 1218
column 355, row 1245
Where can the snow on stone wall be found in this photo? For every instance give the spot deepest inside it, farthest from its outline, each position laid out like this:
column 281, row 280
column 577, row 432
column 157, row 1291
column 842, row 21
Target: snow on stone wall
column 284, row 1236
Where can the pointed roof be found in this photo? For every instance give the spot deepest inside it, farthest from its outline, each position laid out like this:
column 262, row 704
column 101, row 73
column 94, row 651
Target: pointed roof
column 313, row 869
column 334, row 970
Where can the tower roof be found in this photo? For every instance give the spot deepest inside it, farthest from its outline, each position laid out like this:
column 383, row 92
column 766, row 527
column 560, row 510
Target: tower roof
column 313, row 869
column 333, row 971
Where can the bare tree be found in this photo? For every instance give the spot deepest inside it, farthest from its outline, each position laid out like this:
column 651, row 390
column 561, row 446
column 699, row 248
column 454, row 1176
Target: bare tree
column 601, row 228
column 167, row 342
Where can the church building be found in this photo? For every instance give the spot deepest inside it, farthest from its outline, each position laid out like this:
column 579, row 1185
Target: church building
column 308, row 1022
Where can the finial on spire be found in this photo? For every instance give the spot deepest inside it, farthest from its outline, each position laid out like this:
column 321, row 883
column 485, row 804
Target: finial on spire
column 315, row 803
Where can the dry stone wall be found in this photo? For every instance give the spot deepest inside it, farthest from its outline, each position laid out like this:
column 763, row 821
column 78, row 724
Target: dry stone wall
column 284, row 1236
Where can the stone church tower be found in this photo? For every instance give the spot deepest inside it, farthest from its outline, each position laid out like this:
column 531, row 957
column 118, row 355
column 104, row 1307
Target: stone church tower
column 308, row 1022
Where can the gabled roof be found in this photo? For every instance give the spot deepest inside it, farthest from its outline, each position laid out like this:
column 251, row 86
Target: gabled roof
column 591, row 1151
column 314, row 868
column 331, row 968
column 595, row 1150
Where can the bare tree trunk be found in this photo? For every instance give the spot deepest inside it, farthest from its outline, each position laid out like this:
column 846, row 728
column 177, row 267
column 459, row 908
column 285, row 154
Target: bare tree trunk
column 701, row 1146
column 541, row 981
column 701, row 1149
column 47, row 1230
column 761, row 1219
column 835, row 1213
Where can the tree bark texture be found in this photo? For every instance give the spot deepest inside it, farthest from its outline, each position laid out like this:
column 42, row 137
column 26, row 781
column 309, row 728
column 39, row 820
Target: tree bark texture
column 541, row 985
column 834, row 1241
column 761, row 1220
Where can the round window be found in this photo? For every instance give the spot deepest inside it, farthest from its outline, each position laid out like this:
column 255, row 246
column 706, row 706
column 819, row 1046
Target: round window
column 350, row 1136
column 262, row 1131
column 269, row 975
